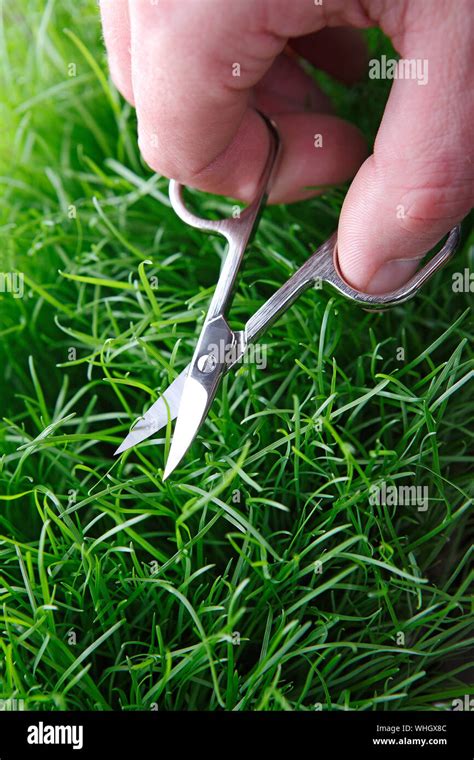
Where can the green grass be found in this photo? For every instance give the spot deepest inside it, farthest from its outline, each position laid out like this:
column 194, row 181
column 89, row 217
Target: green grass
column 119, row 591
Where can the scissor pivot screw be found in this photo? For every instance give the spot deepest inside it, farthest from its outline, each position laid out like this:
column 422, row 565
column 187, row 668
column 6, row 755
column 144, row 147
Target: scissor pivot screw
column 207, row 363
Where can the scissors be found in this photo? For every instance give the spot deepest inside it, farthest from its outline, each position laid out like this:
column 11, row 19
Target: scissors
column 219, row 348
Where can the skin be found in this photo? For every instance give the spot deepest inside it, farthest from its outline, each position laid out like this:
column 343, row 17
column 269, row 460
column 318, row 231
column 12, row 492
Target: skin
column 174, row 61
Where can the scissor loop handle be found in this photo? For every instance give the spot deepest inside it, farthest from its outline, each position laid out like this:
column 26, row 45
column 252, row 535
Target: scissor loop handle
column 231, row 227
column 406, row 291
column 239, row 228
column 323, row 267
column 237, row 231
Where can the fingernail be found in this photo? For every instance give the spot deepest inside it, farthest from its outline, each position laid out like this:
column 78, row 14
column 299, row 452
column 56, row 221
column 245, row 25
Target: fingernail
column 392, row 275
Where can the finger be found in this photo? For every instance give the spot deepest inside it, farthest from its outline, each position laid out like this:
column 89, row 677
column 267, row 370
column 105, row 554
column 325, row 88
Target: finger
column 318, row 150
column 341, row 52
column 192, row 91
column 116, row 28
column 419, row 182
column 286, row 88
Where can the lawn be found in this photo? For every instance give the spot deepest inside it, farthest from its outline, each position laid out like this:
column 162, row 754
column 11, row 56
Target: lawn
column 262, row 575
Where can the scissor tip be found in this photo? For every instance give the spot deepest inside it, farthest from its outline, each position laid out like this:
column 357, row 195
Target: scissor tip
column 173, row 461
column 167, row 472
column 123, row 447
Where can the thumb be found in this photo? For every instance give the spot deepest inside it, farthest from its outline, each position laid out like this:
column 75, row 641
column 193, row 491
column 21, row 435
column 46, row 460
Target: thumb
column 419, row 182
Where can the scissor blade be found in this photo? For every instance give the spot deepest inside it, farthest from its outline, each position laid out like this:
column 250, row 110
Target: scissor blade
column 196, row 399
column 157, row 416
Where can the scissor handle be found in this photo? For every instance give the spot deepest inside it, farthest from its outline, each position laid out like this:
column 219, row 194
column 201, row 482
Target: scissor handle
column 334, row 277
column 237, row 230
column 232, row 228
column 323, row 266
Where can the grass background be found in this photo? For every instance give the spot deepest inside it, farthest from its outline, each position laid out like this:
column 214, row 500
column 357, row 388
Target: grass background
column 120, row 592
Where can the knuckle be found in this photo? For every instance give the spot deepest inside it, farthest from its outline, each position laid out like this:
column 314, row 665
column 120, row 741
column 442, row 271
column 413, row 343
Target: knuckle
column 442, row 198
column 425, row 208
column 164, row 155
column 439, row 191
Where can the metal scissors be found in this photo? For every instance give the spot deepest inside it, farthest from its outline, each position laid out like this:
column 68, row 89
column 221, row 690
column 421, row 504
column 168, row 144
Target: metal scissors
column 191, row 394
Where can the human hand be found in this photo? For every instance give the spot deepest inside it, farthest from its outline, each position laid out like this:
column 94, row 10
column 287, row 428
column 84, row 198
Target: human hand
column 197, row 69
